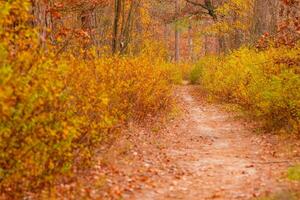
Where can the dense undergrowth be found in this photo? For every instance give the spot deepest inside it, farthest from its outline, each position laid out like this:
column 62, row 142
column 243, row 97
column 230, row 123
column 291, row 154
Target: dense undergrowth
column 265, row 83
column 55, row 109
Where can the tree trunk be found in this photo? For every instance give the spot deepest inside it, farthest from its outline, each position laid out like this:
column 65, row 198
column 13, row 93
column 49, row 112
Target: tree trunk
column 39, row 11
column 190, row 43
column 265, row 17
column 222, row 45
column 166, row 34
column 118, row 4
column 177, row 34
column 125, row 36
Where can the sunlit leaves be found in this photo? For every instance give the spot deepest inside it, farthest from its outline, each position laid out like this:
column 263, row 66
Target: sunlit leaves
column 56, row 109
column 266, row 84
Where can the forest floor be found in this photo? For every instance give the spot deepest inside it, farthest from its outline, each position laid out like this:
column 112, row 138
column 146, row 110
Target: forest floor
column 203, row 153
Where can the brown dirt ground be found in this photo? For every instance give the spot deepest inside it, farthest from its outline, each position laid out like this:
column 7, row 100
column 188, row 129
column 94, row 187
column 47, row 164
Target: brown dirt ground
column 204, row 153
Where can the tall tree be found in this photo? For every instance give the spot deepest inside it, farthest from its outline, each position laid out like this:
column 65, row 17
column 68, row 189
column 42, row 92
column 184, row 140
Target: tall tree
column 177, row 34
column 265, row 17
column 117, row 13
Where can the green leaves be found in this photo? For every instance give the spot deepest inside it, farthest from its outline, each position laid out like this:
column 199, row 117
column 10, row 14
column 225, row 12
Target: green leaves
column 294, row 173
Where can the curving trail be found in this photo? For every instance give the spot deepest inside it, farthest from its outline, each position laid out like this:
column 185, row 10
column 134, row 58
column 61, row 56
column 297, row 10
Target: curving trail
column 206, row 153
column 216, row 157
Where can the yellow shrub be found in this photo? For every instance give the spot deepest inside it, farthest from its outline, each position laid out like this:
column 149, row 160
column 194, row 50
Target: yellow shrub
column 58, row 110
column 265, row 83
column 54, row 109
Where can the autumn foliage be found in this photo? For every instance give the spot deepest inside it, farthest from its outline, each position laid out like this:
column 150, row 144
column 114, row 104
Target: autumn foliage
column 262, row 83
column 55, row 109
column 264, row 80
column 74, row 73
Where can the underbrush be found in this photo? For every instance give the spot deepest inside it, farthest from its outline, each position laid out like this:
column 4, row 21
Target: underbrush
column 56, row 109
column 264, row 83
column 294, row 173
column 54, row 112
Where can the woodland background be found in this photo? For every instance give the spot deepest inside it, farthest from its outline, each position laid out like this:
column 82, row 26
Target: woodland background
column 74, row 72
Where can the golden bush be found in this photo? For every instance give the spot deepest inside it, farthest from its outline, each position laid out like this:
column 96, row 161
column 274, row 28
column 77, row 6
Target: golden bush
column 55, row 109
column 265, row 83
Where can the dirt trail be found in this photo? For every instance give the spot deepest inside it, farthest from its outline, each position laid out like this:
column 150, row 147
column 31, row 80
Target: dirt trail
column 217, row 156
column 205, row 153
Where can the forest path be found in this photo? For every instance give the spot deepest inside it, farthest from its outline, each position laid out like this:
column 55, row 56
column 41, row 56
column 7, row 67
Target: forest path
column 216, row 157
